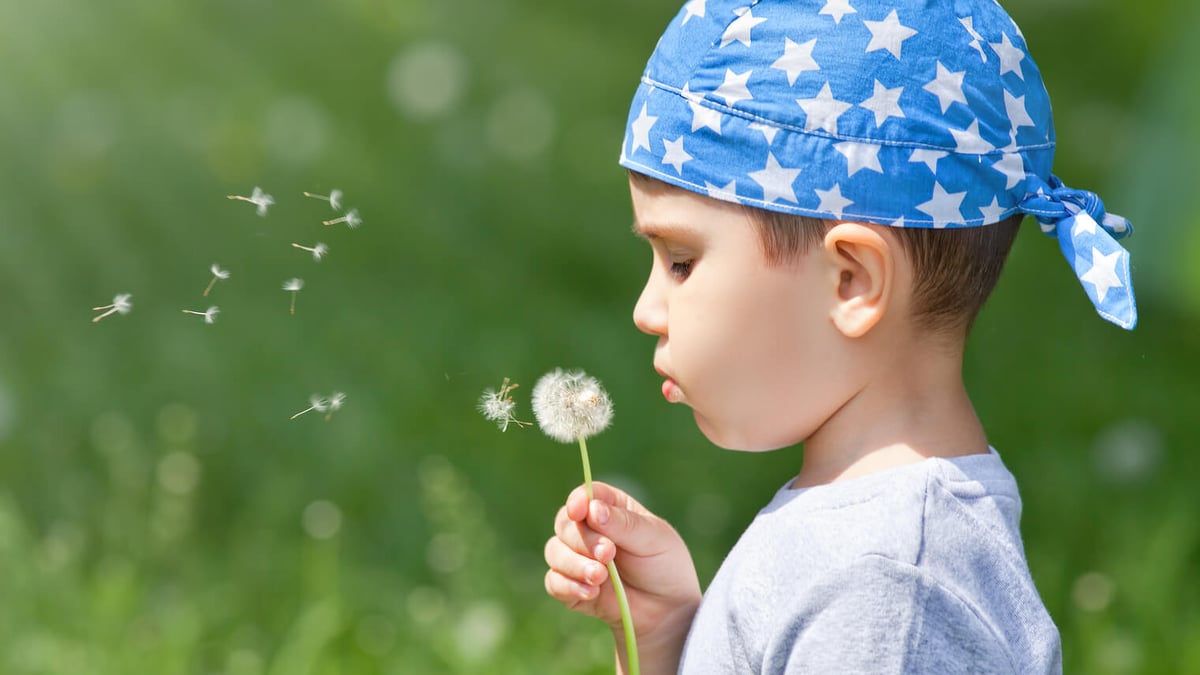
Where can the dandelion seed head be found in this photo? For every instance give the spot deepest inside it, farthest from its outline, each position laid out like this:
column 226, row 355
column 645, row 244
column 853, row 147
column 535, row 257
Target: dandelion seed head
column 570, row 405
column 497, row 407
column 123, row 303
column 261, row 199
column 319, row 250
column 210, row 314
column 218, row 272
column 335, row 199
column 293, row 284
column 318, row 403
column 353, row 220
column 336, row 400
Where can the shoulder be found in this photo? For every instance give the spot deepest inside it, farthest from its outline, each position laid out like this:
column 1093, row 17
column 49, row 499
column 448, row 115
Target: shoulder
column 881, row 615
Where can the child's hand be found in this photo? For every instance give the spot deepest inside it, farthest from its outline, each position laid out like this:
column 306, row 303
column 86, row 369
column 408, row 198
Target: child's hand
column 652, row 559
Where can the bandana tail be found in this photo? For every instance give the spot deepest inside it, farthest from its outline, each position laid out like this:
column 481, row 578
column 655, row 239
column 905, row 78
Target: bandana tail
column 1101, row 264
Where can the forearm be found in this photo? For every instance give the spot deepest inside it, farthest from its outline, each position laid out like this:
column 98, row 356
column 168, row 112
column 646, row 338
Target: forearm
column 658, row 652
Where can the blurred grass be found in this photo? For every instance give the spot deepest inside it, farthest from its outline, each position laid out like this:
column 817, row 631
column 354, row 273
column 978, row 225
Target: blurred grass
column 160, row 513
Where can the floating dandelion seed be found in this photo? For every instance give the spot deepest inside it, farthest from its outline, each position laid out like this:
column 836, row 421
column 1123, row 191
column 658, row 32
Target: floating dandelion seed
column 317, row 251
column 315, row 403
column 334, row 198
column 210, row 314
column 121, row 304
column 498, row 406
column 335, row 403
column 258, row 198
column 293, row 286
column 218, row 273
column 351, row 219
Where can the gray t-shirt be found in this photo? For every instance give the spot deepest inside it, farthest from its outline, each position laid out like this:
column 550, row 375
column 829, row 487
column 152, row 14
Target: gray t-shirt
column 915, row 569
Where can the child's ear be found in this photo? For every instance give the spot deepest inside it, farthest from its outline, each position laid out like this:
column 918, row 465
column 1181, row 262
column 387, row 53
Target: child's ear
column 864, row 262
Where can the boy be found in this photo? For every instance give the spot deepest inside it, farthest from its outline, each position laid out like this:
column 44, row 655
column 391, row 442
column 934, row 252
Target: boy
column 830, row 189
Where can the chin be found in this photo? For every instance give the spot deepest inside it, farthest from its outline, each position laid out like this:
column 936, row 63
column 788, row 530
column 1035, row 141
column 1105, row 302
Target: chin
column 729, row 439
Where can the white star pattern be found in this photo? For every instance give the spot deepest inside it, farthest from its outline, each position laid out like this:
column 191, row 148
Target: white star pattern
column 859, row 156
column 832, row 201
column 968, row 141
column 702, row 115
column 733, row 89
column 675, row 154
column 837, row 9
column 1010, row 56
column 739, row 30
column 823, row 111
column 767, row 130
column 1013, row 168
column 641, row 130
column 929, row 157
column 726, row 193
column 945, row 208
column 947, row 86
column 776, row 181
column 992, row 213
column 976, row 39
column 1018, row 115
column 694, row 8
column 884, row 103
column 888, row 34
column 1084, row 222
column 796, row 59
column 1103, row 273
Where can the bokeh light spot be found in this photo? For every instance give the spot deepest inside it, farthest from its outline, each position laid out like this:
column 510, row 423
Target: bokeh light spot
column 427, row 79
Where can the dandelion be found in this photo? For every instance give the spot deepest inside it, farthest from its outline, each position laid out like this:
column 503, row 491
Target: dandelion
column 351, row 219
column 317, row 251
column 218, row 273
column 335, row 403
column 334, row 198
column 258, row 198
column 121, row 304
column 315, row 402
column 571, row 406
column 210, row 314
column 498, row 406
column 293, row 286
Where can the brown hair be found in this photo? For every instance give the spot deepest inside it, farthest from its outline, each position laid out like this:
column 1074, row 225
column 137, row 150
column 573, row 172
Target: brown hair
column 954, row 270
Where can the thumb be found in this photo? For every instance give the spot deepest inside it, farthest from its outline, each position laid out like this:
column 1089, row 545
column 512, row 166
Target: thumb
column 634, row 530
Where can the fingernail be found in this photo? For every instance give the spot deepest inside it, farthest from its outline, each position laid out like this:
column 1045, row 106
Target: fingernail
column 600, row 513
column 593, row 571
column 584, row 592
column 598, row 552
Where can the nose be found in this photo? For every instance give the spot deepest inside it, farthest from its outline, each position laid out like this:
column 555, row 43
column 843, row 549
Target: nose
column 650, row 312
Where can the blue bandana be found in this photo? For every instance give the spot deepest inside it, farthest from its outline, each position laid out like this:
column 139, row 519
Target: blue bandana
column 910, row 113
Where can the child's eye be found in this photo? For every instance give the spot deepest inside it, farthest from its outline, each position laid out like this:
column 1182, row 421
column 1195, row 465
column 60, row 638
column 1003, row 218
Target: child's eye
column 680, row 270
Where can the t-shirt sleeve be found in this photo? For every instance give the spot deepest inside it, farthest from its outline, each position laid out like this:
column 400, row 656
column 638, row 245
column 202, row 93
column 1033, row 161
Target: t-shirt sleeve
column 883, row 617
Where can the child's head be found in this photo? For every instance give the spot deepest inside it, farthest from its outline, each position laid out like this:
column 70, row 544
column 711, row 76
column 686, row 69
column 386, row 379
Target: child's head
column 829, row 184
column 925, row 114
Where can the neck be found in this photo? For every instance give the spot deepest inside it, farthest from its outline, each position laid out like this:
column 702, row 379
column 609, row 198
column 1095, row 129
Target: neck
column 908, row 410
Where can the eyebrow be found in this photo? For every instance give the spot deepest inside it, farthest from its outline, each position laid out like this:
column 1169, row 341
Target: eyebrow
column 659, row 230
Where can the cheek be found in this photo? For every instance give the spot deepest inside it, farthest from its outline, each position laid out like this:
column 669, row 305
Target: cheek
column 744, row 351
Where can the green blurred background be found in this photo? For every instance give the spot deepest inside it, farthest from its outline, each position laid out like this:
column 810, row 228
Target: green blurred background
column 160, row 513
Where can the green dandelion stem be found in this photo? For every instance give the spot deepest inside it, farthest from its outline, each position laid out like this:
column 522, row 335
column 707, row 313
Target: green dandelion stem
column 618, row 587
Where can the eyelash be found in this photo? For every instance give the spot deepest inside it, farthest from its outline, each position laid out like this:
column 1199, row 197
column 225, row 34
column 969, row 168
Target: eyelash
column 681, row 270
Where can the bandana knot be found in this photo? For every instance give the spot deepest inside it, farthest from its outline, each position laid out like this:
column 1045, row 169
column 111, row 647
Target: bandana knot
column 1087, row 236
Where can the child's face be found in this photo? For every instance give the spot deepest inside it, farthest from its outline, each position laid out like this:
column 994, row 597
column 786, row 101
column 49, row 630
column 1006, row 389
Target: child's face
column 746, row 345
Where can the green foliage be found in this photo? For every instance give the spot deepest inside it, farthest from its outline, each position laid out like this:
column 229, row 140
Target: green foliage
column 160, row 513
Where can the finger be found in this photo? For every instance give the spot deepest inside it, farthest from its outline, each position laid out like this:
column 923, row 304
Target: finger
column 570, row 564
column 579, row 536
column 577, row 501
column 639, row 533
column 567, row 591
